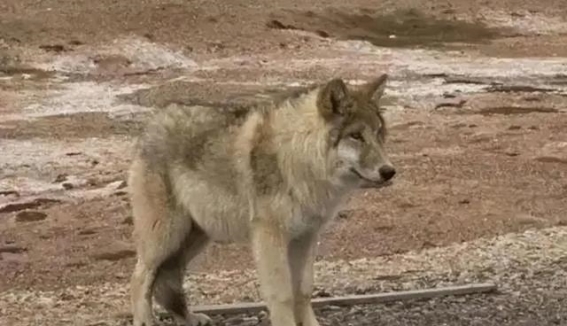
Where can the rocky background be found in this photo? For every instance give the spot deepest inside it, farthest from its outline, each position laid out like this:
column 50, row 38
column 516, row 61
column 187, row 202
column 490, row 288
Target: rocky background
column 477, row 110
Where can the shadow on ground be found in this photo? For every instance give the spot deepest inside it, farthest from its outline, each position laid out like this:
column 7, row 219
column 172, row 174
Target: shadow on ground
column 401, row 28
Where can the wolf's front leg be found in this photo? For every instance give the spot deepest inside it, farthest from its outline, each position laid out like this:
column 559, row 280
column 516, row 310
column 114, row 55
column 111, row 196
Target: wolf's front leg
column 301, row 259
column 270, row 245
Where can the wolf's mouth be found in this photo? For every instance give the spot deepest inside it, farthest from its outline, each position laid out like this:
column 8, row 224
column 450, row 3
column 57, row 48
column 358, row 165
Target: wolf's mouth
column 369, row 183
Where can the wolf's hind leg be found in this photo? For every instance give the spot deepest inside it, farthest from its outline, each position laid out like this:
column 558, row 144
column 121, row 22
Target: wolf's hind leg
column 158, row 233
column 168, row 286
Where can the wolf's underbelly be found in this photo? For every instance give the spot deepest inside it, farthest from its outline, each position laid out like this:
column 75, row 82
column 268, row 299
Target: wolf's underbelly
column 220, row 212
column 224, row 223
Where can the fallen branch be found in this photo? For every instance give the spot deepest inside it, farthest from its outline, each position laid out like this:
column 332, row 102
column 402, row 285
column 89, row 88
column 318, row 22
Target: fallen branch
column 255, row 307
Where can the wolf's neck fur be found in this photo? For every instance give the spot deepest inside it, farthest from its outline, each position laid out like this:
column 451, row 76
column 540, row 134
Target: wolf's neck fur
column 301, row 135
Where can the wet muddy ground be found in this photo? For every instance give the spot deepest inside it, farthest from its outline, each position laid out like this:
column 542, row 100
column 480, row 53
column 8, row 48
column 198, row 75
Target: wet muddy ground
column 476, row 105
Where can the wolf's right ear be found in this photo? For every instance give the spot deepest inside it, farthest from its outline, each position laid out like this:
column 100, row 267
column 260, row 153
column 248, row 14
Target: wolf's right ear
column 332, row 100
column 375, row 88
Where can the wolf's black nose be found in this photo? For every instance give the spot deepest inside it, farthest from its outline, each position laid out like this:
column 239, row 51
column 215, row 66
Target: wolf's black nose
column 387, row 172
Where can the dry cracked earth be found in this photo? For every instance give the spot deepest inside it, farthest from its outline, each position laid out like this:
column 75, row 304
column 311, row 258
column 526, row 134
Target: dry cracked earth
column 476, row 103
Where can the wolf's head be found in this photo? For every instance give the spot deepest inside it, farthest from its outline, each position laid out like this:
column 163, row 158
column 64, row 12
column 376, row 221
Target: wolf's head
column 357, row 132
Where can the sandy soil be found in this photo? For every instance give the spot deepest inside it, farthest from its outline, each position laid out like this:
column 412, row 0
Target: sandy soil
column 477, row 106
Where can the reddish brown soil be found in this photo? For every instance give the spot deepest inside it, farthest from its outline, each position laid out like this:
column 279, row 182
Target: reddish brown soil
column 461, row 176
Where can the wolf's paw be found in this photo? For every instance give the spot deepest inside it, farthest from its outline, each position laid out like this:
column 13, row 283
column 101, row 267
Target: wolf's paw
column 200, row 320
column 147, row 320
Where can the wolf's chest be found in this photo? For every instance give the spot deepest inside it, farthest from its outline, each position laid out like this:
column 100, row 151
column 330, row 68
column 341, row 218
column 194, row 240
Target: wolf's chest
column 312, row 218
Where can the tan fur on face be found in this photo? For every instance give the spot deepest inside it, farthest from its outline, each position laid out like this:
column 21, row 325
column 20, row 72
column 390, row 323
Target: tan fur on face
column 273, row 176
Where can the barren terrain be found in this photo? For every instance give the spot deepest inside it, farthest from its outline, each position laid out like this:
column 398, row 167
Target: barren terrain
column 477, row 108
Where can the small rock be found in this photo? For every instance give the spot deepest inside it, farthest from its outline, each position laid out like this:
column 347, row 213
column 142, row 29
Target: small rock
column 234, row 321
column 247, row 298
column 111, row 62
column 404, row 204
column 388, row 277
column 436, row 75
column 115, row 255
column 149, row 36
column 30, row 216
column 460, row 299
column 127, row 315
column 276, row 24
column 92, row 182
column 45, row 236
column 99, row 323
column 14, row 258
column 532, row 99
column 457, row 105
column 514, row 127
column 215, row 47
column 19, row 206
column 526, row 219
column 87, row 231
column 464, row 201
column 359, row 290
column 67, row 297
column 60, row 178
column 249, row 321
column 459, row 125
column 75, row 264
column 263, row 315
column 128, row 220
column 344, row 214
column 321, row 293
column 68, row 185
column 57, row 48
column 12, row 249
column 9, row 193
column 331, row 308
column 428, row 244
column 553, row 152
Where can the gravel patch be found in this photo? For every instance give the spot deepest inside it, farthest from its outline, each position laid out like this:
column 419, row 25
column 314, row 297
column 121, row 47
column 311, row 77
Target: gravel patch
column 530, row 270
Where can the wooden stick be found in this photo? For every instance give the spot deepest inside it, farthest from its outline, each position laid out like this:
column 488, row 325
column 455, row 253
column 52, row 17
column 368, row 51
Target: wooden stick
column 255, row 307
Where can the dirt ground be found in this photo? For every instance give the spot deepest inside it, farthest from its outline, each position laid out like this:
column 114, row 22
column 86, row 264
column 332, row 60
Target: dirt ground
column 476, row 104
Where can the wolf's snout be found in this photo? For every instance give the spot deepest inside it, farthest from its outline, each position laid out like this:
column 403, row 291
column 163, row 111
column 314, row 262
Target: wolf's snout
column 387, row 172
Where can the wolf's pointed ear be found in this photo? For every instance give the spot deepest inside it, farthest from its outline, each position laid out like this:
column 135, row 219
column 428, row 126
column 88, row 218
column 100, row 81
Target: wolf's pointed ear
column 374, row 89
column 332, row 100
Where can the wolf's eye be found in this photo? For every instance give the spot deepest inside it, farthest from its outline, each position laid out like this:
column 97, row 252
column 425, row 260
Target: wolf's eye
column 357, row 136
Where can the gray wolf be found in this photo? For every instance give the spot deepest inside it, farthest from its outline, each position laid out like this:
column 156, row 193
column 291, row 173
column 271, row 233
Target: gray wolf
column 273, row 175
